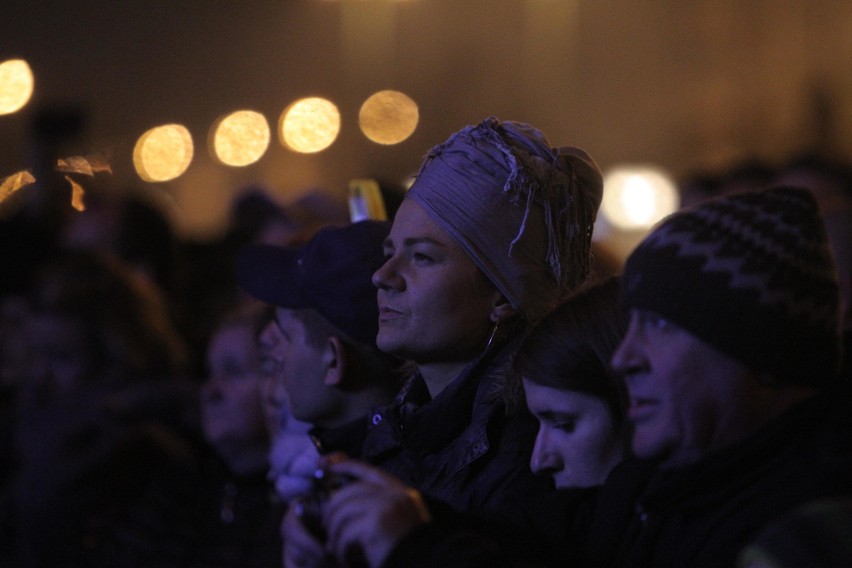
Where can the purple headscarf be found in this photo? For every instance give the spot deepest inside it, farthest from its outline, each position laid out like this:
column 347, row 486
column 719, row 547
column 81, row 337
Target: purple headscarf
column 522, row 210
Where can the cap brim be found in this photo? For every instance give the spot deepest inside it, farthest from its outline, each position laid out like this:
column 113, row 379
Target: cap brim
column 271, row 274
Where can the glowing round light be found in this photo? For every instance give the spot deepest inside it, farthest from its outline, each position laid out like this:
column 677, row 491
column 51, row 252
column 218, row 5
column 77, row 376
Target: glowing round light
column 163, row 153
column 16, row 85
column 309, row 125
column 388, row 117
column 638, row 197
column 240, row 138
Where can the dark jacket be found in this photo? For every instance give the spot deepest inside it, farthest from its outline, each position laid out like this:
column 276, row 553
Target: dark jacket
column 698, row 516
column 703, row 514
column 469, row 447
column 473, row 539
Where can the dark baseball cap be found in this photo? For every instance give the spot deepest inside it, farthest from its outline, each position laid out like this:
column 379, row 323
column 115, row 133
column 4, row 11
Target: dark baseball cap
column 332, row 274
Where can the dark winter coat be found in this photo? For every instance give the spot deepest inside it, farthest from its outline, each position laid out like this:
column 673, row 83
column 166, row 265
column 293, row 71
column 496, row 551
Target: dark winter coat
column 470, row 446
column 703, row 514
column 698, row 516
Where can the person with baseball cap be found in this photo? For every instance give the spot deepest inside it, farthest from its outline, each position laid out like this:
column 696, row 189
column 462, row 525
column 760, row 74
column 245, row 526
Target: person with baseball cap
column 322, row 337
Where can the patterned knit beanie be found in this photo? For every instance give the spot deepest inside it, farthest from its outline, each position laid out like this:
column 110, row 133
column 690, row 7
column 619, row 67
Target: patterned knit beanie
column 522, row 210
column 752, row 275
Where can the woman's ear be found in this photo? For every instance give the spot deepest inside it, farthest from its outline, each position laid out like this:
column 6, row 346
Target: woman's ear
column 502, row 309
column 334, row 361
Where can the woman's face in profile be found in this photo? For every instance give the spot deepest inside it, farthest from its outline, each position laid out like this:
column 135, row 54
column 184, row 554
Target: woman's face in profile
column 577, row 442
column 434, row 303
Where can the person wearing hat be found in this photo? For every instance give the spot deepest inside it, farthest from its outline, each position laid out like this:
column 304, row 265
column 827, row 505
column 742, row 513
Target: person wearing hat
column 494, row 232
column 321, row 341
column 731, row 361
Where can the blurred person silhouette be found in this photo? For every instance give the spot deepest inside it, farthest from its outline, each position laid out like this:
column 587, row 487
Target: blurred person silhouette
column 32, row 216
column 211, row 289
column 746, row 175
column 235, row 414
column 137, row 226
column 698, row 187
column 13, row 363
column 583, row 434
column 255, row 217
column 130, row 224
column 239, row 423
column 494, row 232
column 831, row 184
column 106, row 424
column 96, row 322
column 731, row 362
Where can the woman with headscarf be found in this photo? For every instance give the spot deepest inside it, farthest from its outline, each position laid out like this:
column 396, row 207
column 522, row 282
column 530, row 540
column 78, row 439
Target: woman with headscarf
column 494, row 232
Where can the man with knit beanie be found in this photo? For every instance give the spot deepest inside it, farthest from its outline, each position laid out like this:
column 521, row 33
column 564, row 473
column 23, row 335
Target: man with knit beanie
column 731, row 361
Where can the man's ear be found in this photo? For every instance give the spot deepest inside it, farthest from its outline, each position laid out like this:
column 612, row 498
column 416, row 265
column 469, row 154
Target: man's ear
column 334, row 361
column 502, row 309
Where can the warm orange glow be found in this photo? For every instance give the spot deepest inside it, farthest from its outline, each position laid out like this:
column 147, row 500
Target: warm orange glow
column 16, row 85
column 163, row 153
column 15, row 182
column 77, row 195
column 88, row 165
column 240, row 138
column 388, row 117
column 309, row 125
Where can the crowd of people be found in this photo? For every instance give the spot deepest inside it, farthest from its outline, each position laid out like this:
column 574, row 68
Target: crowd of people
column 466, row 384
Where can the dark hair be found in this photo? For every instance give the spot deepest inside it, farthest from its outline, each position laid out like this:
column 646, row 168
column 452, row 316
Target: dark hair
column 570, row 347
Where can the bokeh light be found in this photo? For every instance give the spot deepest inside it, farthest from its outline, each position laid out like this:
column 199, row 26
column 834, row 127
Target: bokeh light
column 636, row 197
column 309, row 125
column 240, row 138
column 163, row 153
column 388, row 117
column 16, row 85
